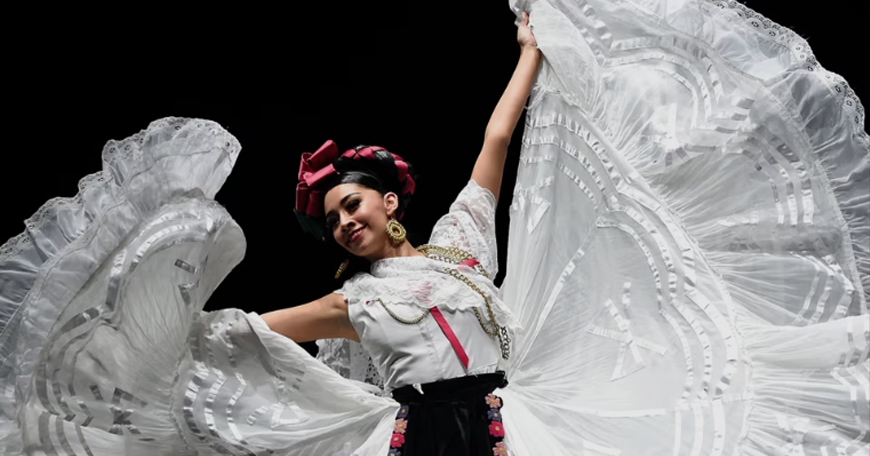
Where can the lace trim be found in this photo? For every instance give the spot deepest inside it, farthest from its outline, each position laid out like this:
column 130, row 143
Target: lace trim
column 350, row 360
column 470, row 226
column 113, row 152
column 800, row 50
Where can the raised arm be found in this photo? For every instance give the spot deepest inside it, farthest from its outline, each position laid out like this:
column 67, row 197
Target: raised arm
column 325, row 318
column 489, row 167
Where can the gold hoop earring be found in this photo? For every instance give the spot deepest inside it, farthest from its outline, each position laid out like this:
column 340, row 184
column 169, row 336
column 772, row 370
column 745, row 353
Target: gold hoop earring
column 341, row 268
column 397, row 232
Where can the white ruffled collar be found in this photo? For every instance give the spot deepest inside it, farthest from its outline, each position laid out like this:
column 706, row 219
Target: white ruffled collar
column 408, row 263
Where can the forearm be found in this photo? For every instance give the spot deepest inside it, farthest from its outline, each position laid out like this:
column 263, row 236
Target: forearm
column 490, row 163
column 510, row 107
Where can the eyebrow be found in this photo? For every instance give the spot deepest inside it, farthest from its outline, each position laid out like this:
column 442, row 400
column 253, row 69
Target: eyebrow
column 343, row 201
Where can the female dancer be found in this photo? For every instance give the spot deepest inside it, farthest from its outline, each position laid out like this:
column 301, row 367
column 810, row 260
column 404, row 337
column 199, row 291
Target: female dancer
column 442, row 352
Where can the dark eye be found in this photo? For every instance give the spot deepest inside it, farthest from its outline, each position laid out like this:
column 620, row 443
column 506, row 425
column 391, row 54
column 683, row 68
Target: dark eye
column 353, row 205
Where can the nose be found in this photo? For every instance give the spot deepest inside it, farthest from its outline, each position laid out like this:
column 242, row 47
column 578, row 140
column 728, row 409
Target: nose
column 346, row 223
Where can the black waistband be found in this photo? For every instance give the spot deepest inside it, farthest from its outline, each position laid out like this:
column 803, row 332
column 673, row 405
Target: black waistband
column 472, row 387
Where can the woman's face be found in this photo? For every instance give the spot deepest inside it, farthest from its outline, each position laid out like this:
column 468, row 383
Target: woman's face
column 358, row 216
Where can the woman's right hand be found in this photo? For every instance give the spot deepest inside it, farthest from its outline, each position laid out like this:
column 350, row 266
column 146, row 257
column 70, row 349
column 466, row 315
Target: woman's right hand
column 525, row 36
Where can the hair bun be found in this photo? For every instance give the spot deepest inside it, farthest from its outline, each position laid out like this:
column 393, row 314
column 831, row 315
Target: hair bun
column 321, row 170
column 394, row 173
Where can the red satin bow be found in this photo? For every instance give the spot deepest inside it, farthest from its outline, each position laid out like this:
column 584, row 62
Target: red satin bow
column 317, row 166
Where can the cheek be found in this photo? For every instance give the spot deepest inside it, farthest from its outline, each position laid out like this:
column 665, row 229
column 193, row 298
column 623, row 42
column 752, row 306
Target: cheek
column 371, row 215
column 377, row 220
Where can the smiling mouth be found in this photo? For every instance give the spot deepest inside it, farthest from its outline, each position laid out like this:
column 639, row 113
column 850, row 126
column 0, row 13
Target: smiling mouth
column 354, row 235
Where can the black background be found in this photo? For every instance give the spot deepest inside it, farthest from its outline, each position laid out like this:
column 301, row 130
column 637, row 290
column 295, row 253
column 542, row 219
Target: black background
column 420, row 80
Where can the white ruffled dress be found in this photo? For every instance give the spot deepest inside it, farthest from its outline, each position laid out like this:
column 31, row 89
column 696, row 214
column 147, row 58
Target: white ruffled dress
column 688, row 269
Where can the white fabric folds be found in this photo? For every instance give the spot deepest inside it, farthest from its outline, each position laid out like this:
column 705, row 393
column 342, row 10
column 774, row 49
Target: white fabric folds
column 690, row 229
column 688, row 259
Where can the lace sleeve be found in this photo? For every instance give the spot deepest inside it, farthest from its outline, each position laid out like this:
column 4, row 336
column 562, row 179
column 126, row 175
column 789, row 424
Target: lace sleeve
column 470, row 226
column 350, row 360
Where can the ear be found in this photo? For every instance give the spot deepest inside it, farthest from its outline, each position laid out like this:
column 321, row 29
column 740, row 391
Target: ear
column 391, row 203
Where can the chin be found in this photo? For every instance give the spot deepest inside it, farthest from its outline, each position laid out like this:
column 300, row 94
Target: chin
column 362, row 250
column 357, row 250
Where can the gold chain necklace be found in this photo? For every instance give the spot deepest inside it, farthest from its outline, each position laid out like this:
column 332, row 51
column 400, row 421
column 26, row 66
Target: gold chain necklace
column 454, row 255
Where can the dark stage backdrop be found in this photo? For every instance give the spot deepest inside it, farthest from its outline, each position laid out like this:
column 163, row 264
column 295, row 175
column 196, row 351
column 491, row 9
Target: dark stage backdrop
column 420, row 82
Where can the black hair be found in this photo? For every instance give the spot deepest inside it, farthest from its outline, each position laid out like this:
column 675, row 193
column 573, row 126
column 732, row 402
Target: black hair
column 380, row 174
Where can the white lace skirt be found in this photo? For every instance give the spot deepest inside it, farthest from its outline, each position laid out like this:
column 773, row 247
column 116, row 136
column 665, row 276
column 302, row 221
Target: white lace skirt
column 688, row 257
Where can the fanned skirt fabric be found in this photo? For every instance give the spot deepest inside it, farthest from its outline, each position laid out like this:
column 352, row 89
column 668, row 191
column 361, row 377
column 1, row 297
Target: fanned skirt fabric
column 689, row 256
column 689, row 239
column 105, row 348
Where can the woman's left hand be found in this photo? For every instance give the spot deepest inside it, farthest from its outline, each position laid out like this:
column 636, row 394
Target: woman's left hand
column 525, row 37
